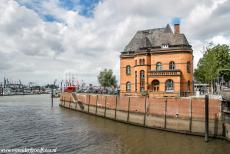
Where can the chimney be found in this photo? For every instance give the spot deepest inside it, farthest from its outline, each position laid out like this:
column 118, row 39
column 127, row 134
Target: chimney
column 176, row 23
column 176, row 28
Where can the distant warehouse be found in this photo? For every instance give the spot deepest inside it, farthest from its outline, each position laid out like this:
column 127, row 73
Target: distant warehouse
column 158, row 62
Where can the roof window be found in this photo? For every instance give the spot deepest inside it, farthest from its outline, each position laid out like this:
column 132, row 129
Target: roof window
column 164, row 46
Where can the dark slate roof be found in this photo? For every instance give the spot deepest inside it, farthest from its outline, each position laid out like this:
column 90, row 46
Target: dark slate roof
column 156, row 38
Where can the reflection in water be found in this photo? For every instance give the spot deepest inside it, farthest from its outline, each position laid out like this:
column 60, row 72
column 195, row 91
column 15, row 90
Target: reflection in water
column 29, row 121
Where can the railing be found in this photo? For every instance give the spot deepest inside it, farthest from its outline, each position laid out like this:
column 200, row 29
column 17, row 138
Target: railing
column 153, row 93
column 165, row 73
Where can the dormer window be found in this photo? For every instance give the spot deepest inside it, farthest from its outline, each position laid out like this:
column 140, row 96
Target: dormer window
column 164, row 46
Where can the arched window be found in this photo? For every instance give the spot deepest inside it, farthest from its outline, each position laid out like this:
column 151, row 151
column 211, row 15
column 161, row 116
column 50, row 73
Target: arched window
column 140, row 61
column 142, row 80
column 128, row 70
column 142, row 74
column 135, row 81
column 188, row 67
column 135, row 62
column 128, row 86
column 172, row 65
column 155, row 85
column 169, row 87
column 188, row 85
column 158, row 66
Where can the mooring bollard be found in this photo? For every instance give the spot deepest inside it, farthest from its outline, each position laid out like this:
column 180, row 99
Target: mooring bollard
column 206, row 118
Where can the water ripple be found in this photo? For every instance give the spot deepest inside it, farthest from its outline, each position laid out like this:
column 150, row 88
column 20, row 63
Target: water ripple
column 29, row 121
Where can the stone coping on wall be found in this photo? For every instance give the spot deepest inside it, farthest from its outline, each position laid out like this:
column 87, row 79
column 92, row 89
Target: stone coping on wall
column 187, row 125
column 183, row 107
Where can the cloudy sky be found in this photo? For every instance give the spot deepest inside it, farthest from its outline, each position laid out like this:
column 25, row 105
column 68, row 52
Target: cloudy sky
column 41, row 40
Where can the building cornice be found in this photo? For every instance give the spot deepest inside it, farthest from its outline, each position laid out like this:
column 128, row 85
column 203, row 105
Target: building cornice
column 155, row 51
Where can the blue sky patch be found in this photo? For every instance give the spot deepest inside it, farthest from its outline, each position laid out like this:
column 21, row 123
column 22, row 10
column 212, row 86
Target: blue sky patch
column 176, row 20
column 84, row 7
column 69, row 4
column 50, row 18
column 87, row 7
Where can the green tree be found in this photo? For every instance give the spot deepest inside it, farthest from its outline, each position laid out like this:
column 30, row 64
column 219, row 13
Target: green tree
column 211, row 66
column 107, row 79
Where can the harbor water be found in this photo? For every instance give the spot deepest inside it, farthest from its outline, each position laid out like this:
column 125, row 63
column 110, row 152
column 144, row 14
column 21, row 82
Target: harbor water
column 31, row 122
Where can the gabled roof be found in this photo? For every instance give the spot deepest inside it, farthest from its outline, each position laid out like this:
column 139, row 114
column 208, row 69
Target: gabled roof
column 156, row 38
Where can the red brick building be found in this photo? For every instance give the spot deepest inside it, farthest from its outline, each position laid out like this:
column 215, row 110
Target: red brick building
column 158, row 61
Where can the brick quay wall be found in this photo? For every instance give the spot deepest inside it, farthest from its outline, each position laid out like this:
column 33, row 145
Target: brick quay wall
column 184, row 115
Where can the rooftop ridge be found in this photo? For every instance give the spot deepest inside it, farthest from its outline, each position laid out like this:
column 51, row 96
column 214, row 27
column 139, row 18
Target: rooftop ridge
column 156, row 38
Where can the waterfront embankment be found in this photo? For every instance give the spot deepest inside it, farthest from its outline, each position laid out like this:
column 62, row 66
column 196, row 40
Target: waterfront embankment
column 183, row 115
column 30, row 122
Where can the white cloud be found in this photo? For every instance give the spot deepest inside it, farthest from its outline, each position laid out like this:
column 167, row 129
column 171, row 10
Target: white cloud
column 219, row 39
column 32, row 48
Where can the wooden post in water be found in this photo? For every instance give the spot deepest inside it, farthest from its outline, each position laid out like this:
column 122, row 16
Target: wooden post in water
column 116, row 109
column 145, row 111
column 190, row 119
column 88, row 103
column 128, row 110
column 61, row 99
column 206, row 118
column 75, row 105
column 165, row 113
column 96, row 104
column 105, row 106
column 70, row 101
column 52, row 98
column 52, row 93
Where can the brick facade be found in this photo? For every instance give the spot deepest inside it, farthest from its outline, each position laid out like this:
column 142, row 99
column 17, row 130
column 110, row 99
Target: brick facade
column 164, row 68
